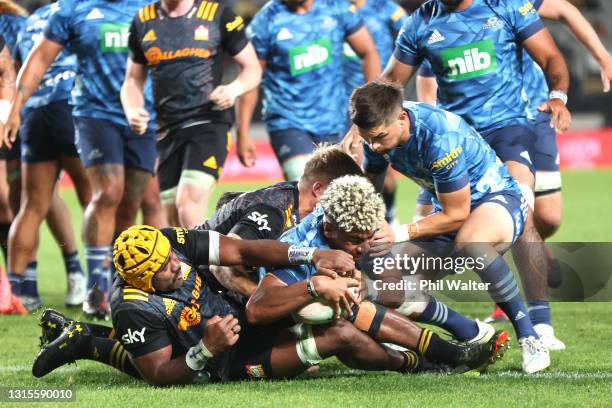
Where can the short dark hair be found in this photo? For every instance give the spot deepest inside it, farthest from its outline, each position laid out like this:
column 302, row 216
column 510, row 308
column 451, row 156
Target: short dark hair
column 328, row 162
column 226, row 198
column 375, row 103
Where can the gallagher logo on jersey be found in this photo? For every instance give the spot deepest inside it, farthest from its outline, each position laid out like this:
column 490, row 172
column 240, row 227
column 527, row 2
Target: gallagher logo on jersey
column 470, row 60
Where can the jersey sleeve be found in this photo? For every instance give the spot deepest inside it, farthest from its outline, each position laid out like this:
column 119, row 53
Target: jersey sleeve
column 407, row 48
column 447, row 159
column 135, row 46
column 233, row 38
column 257, row 33
column 260, row 221
column 59, row 23
column 425, row 69
column 350, row 20
column 373, row 162
column 397, row 16
column 294, row 274
column 193, row 244
column 139, row 331
column 524, row 18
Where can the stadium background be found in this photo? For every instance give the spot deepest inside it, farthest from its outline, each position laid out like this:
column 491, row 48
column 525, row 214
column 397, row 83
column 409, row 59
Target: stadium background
column 580, row 375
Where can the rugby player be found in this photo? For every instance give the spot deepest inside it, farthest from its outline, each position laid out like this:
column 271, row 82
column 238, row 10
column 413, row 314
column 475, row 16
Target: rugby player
column 47, row 147
column 299, row 45
column 118, row 162
column 476, row 199
column 473, row 46
column 173, row 329
column 548, row 203
column 350, row 211
column 383, row 19
column 182, row 43
column 266, row 213
column 9, row 303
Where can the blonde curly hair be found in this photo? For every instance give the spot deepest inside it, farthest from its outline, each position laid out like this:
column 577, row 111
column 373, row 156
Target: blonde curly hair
column 353, row 204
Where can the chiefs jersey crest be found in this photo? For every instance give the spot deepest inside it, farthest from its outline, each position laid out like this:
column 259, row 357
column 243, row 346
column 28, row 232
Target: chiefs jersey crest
column 201, row 33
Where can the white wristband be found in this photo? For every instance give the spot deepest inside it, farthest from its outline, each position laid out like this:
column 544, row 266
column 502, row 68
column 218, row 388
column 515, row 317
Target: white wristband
column 235, row 88
column 197, row 356
column 5, row 110
column 556, row 94
column 401, row 232
column 300, row 255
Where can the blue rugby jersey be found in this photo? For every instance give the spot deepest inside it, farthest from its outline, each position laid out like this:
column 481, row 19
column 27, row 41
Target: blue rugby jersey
column 59, row 78
column 302, row 84
column 384, row 19
column 309, row 232
column 444, row 154
column 476, row 57
column 10, row 26
column 97, row 31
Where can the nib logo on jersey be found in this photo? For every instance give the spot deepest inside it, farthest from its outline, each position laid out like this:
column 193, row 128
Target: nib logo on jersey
column 114, row 37
column 470, row 60
column 308, row 57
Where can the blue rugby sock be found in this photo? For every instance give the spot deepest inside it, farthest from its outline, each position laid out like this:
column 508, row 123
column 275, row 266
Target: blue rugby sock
column 16, row 281
column 72, row 263
column 96, row 257
column 30, row 285
column 439, row 314
column 505, row 292
column 539, row 311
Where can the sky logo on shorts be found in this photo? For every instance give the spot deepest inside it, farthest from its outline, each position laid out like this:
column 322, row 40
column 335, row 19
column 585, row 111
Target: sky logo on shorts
column 114, row 37
column 470, row 60
column 308, row 57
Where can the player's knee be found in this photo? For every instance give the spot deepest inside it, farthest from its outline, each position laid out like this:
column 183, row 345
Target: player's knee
column 341, row 333
column 547, row 223
column 107, row 197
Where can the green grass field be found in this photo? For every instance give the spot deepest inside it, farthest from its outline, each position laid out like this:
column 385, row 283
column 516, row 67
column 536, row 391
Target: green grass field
column 580, row 376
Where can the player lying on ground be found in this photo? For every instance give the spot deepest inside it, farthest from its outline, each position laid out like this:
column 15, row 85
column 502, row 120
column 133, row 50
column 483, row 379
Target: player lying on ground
column 159, row 268
column 268, row 212
column 350, row 213
column 476, row 199
column 174, row 329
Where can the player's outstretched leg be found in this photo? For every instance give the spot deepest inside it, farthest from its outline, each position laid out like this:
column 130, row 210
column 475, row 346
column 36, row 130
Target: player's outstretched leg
column 77, row 343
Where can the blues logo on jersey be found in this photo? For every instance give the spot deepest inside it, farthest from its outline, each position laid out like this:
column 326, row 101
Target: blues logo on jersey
column 303, row 54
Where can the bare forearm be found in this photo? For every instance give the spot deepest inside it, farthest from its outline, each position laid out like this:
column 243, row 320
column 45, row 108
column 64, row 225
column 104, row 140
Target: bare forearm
column 234, row 278
column 132, row 94
column 569, row 15
column 557, row 75
column 273, row 303
column 436, row 224
column 173, row 372
column 245, row 107
column 371, row 66
column 263, row 253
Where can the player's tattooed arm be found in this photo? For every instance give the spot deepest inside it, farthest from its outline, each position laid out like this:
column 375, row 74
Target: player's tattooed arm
column 7, row 75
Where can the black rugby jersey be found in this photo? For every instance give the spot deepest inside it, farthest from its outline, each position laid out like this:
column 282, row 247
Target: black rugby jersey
column 185, row 59
column 146, row 322
column 261, row 214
